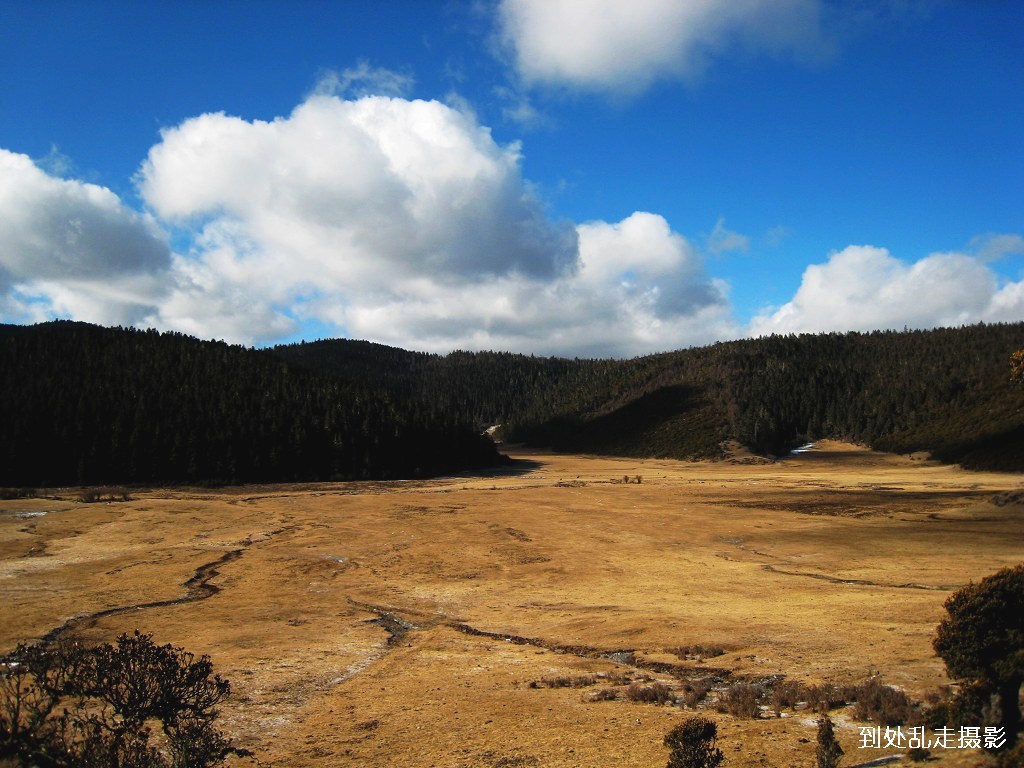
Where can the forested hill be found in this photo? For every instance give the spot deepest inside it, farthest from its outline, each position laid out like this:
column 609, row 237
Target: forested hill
column 88, row 405
column 82, row 404
column 947, row 391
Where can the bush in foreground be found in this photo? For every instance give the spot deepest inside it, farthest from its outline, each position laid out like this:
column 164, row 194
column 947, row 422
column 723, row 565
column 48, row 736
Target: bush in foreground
column 828, row 752
column 693, row 744
column 69, row 706
column 982, row 642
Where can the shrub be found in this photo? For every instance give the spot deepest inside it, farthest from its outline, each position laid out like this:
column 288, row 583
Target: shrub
column 740, row 700
column 970, row 705
column 692, row 744
column 786, row 694
column 564, row 681
column 655, row 693
column 615, row 678
column 17, row 493
column 694, row 693
column 939, row 715
column 95, row 495
column 69, row 706
column 882, row 704
column 822, row 698
column 980, row 642
column 698, row 652
column 828, row 751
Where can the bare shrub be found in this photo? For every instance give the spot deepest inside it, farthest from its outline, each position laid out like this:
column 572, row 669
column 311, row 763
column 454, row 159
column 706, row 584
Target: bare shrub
column 7, row 494
column 695, row 692
column 697, row 652
column 119, row 494
column 740, row 700
column 96, row 495
column 615, row 678
column 556, row 682
column 655, row 693
column 564, row 681
column 918, row 754
column 822, row 698
column 882, row 704
column 786, row 694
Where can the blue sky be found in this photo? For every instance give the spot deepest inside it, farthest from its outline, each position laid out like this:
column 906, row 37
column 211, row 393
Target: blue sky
column 549, row 176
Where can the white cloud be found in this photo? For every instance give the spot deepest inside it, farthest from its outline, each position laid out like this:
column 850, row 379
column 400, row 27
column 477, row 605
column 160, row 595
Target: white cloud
column 865, row 288
column 364, row 80
column 55, row 162
column 722, row 240
column 372, row 190
column 993, row 247
column 71, row 248
column 651, row 269
column 518, row 109
column 639, row 288
column 625, row 46
column 394, row 220
column 404, row 222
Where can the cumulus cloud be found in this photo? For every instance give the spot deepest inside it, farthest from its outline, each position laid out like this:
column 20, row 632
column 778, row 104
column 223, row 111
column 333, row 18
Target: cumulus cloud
column 639, row 287
column 864, row 288
column 71, row 248
column 373, row 190
column 624, row 46
column 382, row 218
column 405, row 222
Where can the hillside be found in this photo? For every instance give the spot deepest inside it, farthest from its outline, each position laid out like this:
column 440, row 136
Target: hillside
column 88, row 405
column 946, row 391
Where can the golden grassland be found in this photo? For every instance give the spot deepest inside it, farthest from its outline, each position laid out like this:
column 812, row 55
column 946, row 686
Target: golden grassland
column 401, row 623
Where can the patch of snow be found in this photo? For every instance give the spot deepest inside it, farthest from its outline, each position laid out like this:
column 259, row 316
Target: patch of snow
column 806, row 448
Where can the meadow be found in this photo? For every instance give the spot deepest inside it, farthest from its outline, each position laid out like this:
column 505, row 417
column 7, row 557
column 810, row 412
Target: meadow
column 475, row 620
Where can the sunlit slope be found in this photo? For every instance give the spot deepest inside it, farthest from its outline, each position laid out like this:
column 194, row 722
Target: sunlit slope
column 947, row 391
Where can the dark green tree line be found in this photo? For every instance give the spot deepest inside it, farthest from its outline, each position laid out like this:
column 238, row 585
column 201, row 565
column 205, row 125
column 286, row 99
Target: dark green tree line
column 89, row 405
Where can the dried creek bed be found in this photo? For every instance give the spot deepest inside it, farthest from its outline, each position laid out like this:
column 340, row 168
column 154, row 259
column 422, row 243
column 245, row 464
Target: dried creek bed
column 373, row 624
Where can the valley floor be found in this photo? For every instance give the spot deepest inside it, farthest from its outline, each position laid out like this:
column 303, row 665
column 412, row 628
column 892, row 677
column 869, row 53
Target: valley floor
column 402, row 623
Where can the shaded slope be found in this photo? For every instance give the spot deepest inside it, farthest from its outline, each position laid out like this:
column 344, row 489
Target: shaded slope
column 89, row 405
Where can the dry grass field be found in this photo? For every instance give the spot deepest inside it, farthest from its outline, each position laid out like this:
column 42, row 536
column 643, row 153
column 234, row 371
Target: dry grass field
column 402, row 623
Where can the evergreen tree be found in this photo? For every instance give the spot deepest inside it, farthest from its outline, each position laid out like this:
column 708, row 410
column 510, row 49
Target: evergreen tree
column 828, row 751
